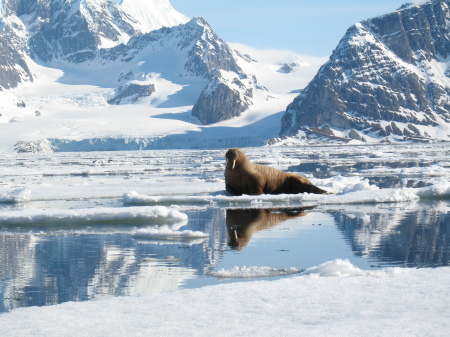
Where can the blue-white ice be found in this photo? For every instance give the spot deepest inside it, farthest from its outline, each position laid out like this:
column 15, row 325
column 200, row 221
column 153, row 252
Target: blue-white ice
column 158, row 188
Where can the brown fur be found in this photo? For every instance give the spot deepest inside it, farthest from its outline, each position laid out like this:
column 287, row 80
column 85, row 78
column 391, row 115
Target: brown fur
column 244, row 177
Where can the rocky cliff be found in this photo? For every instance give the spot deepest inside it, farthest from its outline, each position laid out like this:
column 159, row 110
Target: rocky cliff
column 223, row 99
column 14, row 53
column 388, row 77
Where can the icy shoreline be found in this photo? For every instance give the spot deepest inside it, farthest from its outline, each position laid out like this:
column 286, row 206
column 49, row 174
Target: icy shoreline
column 349, row 302
column 188, row 141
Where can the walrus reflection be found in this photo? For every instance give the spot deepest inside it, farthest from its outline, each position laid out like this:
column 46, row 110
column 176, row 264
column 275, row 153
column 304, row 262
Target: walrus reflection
column 242, row 223
column 244, row 177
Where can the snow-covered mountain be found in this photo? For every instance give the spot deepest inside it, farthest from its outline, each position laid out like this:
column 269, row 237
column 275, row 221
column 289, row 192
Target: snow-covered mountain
column 389, row 77
column 103, row 53
column 74, row 30
column 71, row 30
column 101, row 32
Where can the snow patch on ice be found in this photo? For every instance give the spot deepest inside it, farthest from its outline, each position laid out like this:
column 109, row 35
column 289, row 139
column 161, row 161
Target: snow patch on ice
column 375, row 196
column 253, row 272
column 168, row 234
column 16, row 195
column 336, row 268
column 134, row 198
column 344, row 268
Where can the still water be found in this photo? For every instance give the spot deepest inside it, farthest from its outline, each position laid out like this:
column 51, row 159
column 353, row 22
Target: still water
column 47, row 264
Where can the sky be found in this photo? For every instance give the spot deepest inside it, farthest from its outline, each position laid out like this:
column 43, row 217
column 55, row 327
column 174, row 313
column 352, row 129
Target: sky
column 306, row 27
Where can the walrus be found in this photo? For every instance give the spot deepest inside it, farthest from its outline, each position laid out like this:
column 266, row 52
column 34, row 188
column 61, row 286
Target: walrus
column 244, row 177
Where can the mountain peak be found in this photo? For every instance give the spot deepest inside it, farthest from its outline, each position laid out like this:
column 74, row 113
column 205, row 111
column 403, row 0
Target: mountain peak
column 412, row 3
column 66, row 27
column 152, row 14
column 388, row 77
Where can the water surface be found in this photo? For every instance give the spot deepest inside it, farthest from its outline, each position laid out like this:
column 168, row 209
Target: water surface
column 43, row 264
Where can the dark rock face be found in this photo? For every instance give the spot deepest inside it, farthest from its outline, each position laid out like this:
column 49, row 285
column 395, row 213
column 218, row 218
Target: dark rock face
column 47, row 30
column 65, row 30
column 286, row 68
column 222, row 100
column 206, row 57
column 209, row 52
column 132, row 93
column 13, row 53
column 384, row 78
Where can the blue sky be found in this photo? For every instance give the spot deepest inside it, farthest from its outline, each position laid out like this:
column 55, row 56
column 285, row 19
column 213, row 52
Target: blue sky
column 304, row 26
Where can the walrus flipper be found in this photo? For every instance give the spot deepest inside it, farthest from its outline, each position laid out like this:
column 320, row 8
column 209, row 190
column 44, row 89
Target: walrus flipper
column 318, row 190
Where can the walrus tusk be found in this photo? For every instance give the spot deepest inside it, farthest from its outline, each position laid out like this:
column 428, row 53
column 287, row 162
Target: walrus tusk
column 234, row 163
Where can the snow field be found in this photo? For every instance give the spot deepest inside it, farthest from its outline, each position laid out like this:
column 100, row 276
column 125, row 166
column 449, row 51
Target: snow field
column 349, row 302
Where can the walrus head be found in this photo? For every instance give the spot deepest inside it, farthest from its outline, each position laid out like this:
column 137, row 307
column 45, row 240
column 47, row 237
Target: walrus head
column 234, row 157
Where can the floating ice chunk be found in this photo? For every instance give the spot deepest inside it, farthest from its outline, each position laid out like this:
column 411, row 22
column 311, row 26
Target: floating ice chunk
column 373, row 196
column 276, row 161
column 15, row 195
column 342, row 185
column 167, row 234
column 362, row 185
column 335, row 268
column 134, row 198
column 252, row 272
column 344, row 268
column 185, row 242
column 163, row 259
column 158, row 214
column 431, row 171
column 441, row 189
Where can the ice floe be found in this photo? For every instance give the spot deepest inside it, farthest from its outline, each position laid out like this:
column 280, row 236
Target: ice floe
column 157, row 214
column 134, row 198
column 336, row 268
column 16, row 195
column 356, row 192
column 168, row 234
column 253, row 272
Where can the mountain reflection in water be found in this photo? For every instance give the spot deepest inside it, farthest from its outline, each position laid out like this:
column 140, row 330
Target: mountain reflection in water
column 397, row 235
column 46, row 265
